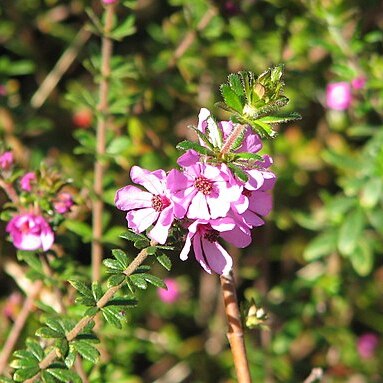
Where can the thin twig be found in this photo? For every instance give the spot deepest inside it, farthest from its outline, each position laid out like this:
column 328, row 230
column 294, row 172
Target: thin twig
column 235, row 329
column 60, row 68
column 45, row 363
column 191, row 36
column 19, row 324
column 9, row 190
column 99, row 167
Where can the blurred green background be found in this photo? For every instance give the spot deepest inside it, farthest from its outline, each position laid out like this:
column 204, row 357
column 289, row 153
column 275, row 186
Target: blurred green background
column 316, row 267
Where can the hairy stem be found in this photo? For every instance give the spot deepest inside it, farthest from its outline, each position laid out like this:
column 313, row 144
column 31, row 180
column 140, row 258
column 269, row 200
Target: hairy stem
column 46, row 362
column 19, row 325
column 237, row 131
column 99, row 166
column 235, row 329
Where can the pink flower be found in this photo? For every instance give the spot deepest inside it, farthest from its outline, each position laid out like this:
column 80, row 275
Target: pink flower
column 30, row 232
column 359, row 82
column 172, row 293
column 146, row 207
column 109, row 1
column 367, row 344
column 203, row 191
column 12, row 305
column 63, row 203
column 6, row 160
column 26, row 181
column 204, row 235
column 338, row 95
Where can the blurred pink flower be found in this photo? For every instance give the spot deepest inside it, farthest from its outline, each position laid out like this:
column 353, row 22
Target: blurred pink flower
column 26, row 181
column 63, row 203
column 170, row 295
column 109, row 1
column 359, row 82
column 12, row 305
column 338, row 95
column 30, row 232
column 367, row 344
column 6, row 160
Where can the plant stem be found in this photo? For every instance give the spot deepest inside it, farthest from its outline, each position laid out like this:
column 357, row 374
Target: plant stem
column 9, row 190
column 45, row 363
column 237, row 131
column 99, row 166
column 19, row 325
column 235, row 329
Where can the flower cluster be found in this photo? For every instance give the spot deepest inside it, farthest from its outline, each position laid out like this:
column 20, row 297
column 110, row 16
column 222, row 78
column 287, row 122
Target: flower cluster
column 204, row 196
column 37, row 205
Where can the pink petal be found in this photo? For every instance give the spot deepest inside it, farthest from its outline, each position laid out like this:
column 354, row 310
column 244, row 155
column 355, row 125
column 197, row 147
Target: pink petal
column 198, row 207
column 131, row 197
column 239, row 237
column 149, row 180
column 160, row 231
column 218, row 259
column 140, row 220
column 261, row 203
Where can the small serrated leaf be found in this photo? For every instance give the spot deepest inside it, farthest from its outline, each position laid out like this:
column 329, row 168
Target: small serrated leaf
column 70, row 359
column 24, row 363
column 46, row 332
column 81, row 287
column 25, row 373
column 235, row 83
column 151, row 250
column 115, row 280
column 85, row 301
column 48, row 378
column 35, row 348
column 155, row 281
column 87, row 351
column 91, row 312
column 238, row 172
column 111, row 316
column 121, row 257
column 97, row 291
column 113, row 265
column 231, row 98
column 248, row 156
column 138, row 281
column 62, row 347
column 188, row 145
column 131, row 236
column 64, row 375
column 127, row 302
column 141, row 243
column 164, row 261
column 55, row 325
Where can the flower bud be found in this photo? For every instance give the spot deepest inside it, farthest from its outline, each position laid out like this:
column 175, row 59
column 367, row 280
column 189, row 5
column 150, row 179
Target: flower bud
column 338, row 95
column 6, row 160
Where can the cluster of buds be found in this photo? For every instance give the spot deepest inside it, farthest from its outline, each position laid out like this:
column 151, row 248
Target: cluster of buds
column 36, row 207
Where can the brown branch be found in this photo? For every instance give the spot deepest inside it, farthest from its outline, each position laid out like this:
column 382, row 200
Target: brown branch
column 235, row 330
column 60, row 68
column 9, row 190
column 45, row 363
column 19, row 325
column 191, row 36
column 99, row 166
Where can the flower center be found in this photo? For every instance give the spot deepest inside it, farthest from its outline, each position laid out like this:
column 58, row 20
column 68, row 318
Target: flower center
column 160, row 202
column 211, row 235
column 247, row 193
column 204, row 185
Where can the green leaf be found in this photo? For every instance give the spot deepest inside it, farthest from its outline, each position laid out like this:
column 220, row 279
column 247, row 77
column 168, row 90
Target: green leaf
column 238, row 172
column 203, row 137
column 371, row 193
column 321, row 246
column 138, row 281
column 91, row 312
column 112, row 316
column 35, row 348
column 165, row 261
column 155, row 281
column 82, row 229
column 248, row 156
column 81, row 287
column 231, row 98
column 55, row 325
column 126, row 302
column 62, row 347
column 115, row 280
column 188, row 145
column 263, row 129
column 64, row 375
column 48, row 378
column 87, row 351
column 350, row 231
column 151, row 250
column 126, row 28
column 235, row 83
column 375, row 217
column 25, row 373
column 131, row 236
column 362, row 258
column 70, row 359
column 97, row 291
column 24, row 354
column 113, row 266
column 141, row 243
column 85, row 301
column 281, row 118
column 46, row 332
column 24, row 363
column 5, row 380
column 121, row 257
